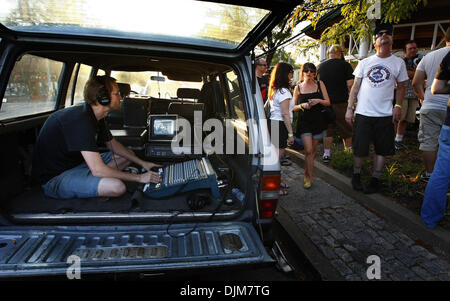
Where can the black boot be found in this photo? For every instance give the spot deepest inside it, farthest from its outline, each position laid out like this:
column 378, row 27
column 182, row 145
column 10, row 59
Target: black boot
column 356, row 182
column 373, row 187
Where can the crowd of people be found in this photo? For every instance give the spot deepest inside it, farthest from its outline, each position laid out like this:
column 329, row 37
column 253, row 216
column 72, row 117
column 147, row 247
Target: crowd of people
column 372, row 104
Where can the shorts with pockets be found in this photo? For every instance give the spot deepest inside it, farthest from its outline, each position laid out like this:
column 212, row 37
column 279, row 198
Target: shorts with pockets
column 345, row 129
column 409, row 107
column 379, row 130
column 431, row 122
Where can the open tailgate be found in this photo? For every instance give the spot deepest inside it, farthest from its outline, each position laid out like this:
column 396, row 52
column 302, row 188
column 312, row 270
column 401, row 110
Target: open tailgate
column 38, row 251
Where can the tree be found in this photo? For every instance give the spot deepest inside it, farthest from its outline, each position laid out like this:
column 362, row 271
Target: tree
column 235, row 23
column 39, row 12
column 282, row 55
column 357, row 16
column 278, row 36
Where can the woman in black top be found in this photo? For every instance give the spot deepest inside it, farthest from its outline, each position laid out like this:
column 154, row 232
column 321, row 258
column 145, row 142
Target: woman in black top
column 310, row 96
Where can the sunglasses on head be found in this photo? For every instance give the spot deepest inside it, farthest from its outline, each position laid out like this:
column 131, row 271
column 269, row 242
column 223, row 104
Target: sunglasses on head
column 381, row 33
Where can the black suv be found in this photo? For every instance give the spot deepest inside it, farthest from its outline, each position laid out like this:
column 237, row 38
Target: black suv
column 174, row 62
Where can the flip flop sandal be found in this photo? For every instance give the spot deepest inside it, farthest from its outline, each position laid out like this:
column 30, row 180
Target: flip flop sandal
column 286, row 163
column 283, row 185
column 283, row 193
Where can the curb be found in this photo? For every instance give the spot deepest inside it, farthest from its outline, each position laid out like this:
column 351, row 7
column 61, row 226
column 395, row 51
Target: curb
column 314, row 255
column 437, row 239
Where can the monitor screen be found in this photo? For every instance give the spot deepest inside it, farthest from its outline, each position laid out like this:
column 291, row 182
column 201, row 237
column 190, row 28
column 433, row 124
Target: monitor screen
column 162, row 127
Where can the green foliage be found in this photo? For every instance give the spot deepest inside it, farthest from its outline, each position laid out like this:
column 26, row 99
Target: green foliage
column 284, row 56
column 279, row 35
column 355, row 19
column 389, row 175
column 342, row 160
column 308, row 48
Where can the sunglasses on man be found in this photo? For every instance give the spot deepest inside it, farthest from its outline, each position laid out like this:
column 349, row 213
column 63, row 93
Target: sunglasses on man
column 381, row 33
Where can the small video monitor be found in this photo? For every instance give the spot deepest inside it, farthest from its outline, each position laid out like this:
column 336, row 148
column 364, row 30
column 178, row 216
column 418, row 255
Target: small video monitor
column 162, row 127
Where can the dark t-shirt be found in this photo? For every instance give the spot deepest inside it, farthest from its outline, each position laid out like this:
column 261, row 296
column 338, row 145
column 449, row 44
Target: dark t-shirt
column 411, row 64
column 263, row 86
column 444, row 74
column 63, row 136
column 335, row 73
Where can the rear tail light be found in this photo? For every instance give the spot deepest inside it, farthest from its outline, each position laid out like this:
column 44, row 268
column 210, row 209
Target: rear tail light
column 270, row 188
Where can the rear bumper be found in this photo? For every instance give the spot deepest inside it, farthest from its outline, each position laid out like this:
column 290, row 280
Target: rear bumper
column 52, row 251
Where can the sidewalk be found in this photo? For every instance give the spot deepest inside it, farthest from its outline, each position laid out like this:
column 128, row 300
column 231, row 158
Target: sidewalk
column 338, row 228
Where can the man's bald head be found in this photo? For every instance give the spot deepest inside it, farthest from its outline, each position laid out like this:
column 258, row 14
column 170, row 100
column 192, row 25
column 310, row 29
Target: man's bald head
column 335, row 52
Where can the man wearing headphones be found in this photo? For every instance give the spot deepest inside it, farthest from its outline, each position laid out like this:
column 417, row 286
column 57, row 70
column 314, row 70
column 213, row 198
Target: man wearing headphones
column 66, row 159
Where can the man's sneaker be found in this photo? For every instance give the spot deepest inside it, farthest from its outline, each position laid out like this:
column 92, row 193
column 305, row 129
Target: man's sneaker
column 356, row 182
column 399, row 145
column 373, row 187
column 424, row 177
column 326, row 159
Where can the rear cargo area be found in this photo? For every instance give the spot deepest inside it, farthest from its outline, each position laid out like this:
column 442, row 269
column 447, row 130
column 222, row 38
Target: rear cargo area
column 32, row 201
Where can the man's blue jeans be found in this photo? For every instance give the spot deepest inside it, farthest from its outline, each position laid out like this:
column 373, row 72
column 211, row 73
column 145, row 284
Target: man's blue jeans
column 435, row 201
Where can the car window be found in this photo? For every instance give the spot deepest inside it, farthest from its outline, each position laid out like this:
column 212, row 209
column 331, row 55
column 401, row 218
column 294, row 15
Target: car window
column 153, row 84
column 235, row 97
column 31, row 88
column 82, row 76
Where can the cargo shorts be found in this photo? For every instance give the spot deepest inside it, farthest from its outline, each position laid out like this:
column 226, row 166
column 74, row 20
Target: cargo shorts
column 431, row 122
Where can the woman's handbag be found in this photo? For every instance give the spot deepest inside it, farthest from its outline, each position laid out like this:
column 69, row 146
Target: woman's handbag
column 329, row 113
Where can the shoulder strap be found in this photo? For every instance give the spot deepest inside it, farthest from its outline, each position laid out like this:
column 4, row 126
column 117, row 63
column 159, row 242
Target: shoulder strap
column 319, row 88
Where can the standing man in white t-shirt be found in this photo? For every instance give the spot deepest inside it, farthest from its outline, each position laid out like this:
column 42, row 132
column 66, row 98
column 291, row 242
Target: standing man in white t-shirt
column 375, row 80
column 434, row 107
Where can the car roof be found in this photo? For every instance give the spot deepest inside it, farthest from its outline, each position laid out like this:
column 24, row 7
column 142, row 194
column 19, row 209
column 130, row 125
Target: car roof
column 228, row 26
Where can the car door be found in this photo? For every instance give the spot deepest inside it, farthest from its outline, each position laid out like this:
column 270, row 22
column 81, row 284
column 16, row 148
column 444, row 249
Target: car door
column 31, row 250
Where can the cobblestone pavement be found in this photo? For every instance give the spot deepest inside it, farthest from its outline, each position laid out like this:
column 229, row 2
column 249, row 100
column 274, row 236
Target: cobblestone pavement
column 347, row 234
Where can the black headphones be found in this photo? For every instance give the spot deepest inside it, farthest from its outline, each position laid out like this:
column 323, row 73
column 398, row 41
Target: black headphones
column 197, row 201
column 102, row 96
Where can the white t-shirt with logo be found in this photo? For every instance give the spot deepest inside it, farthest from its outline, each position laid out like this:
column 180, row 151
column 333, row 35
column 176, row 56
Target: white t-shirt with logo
column 430, row 65
column 275, row 108
column 379, row 77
